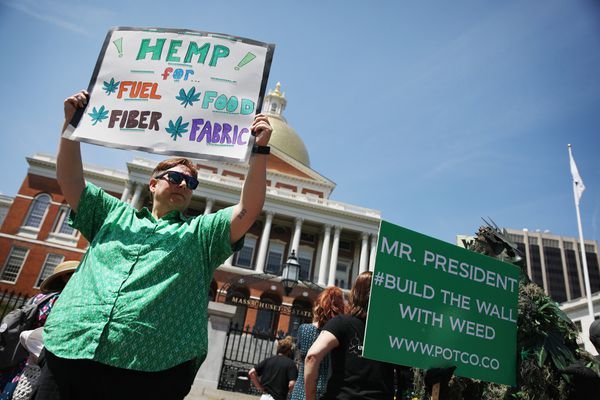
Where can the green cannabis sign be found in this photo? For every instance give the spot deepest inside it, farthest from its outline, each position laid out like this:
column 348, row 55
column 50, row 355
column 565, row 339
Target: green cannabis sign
column 434, row 304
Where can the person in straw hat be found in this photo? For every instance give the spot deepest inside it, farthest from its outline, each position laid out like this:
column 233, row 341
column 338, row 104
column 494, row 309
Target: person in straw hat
column 22, row 381
column 59, row 278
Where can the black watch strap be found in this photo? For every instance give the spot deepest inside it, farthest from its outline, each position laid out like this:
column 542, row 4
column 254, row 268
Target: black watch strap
column 261, row 149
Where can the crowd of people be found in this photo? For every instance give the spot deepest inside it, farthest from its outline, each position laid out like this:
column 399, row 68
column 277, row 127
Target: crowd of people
column 330, row 352
column 132, row 322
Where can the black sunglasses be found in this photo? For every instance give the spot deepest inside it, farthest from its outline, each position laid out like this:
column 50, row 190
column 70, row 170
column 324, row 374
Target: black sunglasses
column 177, row 177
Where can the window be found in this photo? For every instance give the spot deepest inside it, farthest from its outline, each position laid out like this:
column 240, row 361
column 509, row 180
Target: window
column 515, row 238
column 14, row 263
column 62, row 222
column 308, row 238
column 573, row 273
column 589, row 248
column 345, row 245
column 555, row 274
column 267, row 317
column 3, row 212
column 37, row 211
column 342, row 274
column 238, row 296
column 536, row 264
column 245, row 256
column 275, row 258
column 301, row 314
column 61, row 232
column 305, row 255
column 52, row 260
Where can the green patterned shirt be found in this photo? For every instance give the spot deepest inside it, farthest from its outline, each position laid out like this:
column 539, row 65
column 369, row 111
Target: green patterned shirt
column 139, row 297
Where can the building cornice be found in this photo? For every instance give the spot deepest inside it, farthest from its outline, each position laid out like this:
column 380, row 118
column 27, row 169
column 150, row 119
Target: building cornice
column 110, row 179
column 42, row 243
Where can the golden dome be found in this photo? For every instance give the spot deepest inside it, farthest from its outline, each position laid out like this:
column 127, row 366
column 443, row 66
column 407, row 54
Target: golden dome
column 284, row 138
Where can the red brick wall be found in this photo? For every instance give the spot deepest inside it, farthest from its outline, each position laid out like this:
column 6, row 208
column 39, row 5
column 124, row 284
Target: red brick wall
column 32, row 186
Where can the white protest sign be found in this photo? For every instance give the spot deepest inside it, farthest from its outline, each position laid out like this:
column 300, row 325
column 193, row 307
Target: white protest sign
column 175, row 92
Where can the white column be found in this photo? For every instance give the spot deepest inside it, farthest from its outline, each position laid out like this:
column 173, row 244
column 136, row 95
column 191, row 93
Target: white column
column 137, row 195
column 373, row 252
column 363, row 253
column 296, row 237
column 126, row 192
column 334, row 256
column 209, row 205
column 324, row 255
column 264, row 243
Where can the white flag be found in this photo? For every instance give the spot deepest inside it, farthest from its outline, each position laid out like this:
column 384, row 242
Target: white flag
column 578, row 186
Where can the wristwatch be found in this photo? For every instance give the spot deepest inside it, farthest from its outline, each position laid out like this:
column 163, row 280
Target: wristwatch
column 261, row 149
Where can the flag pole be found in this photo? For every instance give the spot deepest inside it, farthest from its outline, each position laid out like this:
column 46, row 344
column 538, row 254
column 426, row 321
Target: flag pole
column 576, row 196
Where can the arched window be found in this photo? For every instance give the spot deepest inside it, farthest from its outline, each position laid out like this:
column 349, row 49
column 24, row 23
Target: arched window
column 267, row 318
column 61, row 225
column 301, row 314
column 238, row 296
column 37, row 211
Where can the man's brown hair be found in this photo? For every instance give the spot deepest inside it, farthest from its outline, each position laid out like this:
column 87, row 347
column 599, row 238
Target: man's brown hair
column 172, row 162
column 285, row 346
column 359, row 295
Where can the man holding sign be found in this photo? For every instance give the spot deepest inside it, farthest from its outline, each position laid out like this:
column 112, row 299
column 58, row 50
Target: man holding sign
column 132, row 323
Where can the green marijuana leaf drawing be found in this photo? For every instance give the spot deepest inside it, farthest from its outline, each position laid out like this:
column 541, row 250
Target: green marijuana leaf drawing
column 188, row 98
column 177, row 129
column 111, row 87
column 98, row 115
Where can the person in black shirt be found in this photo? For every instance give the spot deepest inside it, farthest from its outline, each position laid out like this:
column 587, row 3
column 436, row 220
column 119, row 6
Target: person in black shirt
column 276, row 375
column 352, row 376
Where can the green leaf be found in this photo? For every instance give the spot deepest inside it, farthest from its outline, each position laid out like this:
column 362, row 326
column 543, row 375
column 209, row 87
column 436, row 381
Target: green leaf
column 98, row 115
column 541, row 356
column 188, row 98
column 110, row 87
column 177, row 129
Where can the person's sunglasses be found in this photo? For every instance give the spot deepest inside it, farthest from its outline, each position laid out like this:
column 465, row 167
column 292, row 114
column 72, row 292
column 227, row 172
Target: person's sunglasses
column 176, row 178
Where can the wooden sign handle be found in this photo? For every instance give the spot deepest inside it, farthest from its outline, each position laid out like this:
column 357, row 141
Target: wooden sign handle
column 435, row 392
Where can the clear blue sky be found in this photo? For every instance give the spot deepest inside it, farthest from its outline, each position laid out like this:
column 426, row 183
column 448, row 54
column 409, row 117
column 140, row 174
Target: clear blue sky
column 435, row 113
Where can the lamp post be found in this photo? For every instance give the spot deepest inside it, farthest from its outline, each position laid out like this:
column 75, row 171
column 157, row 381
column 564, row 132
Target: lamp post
column 290, row 273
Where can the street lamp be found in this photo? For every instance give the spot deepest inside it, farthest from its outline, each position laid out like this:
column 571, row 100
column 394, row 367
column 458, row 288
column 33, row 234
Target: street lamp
column 290, row 273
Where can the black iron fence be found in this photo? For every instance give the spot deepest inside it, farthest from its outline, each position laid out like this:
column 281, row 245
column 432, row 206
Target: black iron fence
column 243, row 350
column 10, row 300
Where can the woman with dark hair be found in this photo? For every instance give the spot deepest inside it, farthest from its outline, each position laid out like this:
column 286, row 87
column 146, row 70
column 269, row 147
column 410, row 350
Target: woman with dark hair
column 329, row 304
column 352, row 376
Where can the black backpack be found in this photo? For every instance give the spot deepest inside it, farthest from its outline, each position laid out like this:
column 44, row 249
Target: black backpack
column 21, row 319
